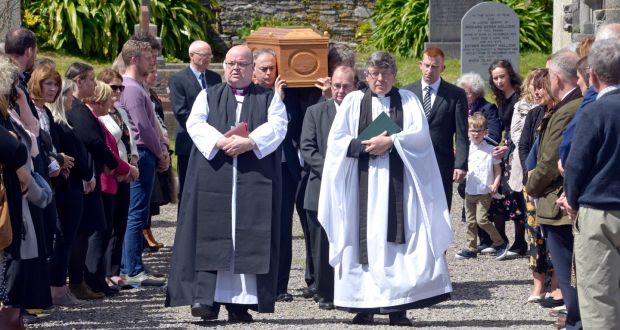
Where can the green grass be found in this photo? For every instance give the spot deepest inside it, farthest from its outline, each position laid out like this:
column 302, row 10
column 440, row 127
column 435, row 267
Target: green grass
column 409, row 72
column 63, row 60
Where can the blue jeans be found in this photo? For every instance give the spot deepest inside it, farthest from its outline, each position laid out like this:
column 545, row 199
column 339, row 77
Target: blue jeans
column 139, row 208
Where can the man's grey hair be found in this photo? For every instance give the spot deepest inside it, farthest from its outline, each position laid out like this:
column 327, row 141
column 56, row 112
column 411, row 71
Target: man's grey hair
column 604, row 60
column 609, row 31
column 473, row 81
column 381, row 60
column 565, row 64
column 257, row 53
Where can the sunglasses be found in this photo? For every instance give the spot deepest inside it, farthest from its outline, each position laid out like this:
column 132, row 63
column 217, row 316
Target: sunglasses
column 117, row 88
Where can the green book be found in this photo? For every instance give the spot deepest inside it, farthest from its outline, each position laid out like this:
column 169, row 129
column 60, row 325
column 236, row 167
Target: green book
column 382, row 123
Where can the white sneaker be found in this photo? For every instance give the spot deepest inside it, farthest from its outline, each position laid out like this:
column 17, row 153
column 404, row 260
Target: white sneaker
column 143, row 279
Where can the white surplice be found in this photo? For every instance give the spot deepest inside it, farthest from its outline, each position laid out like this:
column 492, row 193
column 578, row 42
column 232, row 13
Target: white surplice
column 231, row 287
column 396, row 274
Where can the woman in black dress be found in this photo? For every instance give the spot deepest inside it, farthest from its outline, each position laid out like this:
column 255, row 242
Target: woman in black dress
column 506, row 86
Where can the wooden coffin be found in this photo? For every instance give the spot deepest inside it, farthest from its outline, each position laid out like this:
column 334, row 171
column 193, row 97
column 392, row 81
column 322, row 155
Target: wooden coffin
column 301, row 52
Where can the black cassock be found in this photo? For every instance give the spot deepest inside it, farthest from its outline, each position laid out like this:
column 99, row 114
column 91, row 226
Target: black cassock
column 203, row 241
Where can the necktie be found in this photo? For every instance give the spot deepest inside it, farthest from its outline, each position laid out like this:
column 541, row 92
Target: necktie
column 203, row 82
column 426, row 103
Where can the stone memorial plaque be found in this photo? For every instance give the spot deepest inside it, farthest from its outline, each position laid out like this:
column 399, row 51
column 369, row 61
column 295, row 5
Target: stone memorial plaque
column 489, row 31
column 445, row 24
column 445, row 19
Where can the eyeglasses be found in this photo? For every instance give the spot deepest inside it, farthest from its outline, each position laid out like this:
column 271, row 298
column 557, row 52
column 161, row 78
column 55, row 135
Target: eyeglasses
column 338, row 86
column 267, row 68
column 207, row 55
column 383, row 74
column 117, row 88
column 231, row 65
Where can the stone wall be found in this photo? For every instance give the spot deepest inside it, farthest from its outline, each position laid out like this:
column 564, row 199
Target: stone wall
column 341, row 19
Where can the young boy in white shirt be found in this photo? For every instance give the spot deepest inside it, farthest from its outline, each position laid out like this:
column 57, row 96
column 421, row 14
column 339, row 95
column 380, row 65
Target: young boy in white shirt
column 483, row 179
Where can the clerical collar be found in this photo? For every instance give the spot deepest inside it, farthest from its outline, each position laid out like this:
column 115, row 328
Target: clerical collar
column 239, row 91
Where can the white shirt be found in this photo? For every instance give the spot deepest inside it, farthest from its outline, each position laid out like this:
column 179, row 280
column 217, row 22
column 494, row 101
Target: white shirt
column 197, row 74
column 434, row 89
column 480, row 169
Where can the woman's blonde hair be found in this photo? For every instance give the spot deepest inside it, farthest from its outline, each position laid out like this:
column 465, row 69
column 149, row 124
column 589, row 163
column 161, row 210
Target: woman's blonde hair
column 58, row 107
column 103, row 92
column 8, row 77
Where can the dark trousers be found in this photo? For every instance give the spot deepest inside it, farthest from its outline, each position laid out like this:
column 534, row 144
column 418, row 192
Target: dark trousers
column 289, row 188
column 98, row 245
column 70, row 205
column 303, row 219
column 446, row 179
column 78, row 256
column 182, row 161
column 560, row 244
column 119, row 223
column 323, row 271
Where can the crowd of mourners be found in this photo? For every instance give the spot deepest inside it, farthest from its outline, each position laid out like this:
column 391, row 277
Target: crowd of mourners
column 85, row 163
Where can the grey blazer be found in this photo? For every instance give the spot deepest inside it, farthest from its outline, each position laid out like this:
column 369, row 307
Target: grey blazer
column 315, row 130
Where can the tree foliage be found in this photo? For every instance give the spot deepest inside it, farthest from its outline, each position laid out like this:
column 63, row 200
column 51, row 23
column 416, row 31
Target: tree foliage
column 100, row 27
column 401, row 26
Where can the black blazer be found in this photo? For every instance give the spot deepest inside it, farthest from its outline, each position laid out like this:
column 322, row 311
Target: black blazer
column 317, row 123
column 90, row 132
column 448, row 117
column 184, row 88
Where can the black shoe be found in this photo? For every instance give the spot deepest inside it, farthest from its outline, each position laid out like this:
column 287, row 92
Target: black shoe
column 205, row 312
column 550, row 302
column 400, row 319
column 308, row 292
column 240, row 317
column 102, row 286
column 363, row 319
column 284, row 297
column 326, row 305
column 316, row 297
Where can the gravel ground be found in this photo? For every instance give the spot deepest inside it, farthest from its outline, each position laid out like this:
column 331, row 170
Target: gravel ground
column 488, row 294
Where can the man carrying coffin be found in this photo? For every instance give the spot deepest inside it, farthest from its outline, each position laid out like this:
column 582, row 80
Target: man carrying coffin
column 226, row 244
column 382, row 204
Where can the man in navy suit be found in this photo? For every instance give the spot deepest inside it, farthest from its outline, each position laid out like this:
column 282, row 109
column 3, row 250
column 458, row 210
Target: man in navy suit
column 445, row 107
column 184, row 86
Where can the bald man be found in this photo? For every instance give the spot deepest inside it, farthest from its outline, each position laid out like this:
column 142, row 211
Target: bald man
column 226, row 244
column 184, row 87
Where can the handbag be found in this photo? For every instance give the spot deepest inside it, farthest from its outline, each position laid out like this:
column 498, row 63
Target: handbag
column 6, row 232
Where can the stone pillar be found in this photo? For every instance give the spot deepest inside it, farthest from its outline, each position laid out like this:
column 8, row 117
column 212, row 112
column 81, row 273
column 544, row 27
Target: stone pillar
column 10, row 17
column 561, row 37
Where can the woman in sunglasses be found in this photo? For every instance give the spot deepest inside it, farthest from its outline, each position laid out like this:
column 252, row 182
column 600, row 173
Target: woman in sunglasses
column 117, row 123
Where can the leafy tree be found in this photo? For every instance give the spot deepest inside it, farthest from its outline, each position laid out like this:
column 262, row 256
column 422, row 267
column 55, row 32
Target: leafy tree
column 100, row 27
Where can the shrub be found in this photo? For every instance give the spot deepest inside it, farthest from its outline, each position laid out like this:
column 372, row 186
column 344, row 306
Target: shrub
column 401, row 26
column 99, row 27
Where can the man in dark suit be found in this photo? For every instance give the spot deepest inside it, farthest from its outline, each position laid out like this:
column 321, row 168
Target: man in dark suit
column 184, row 86
column 293, row 175
column 445, row 107
column 317, row 123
